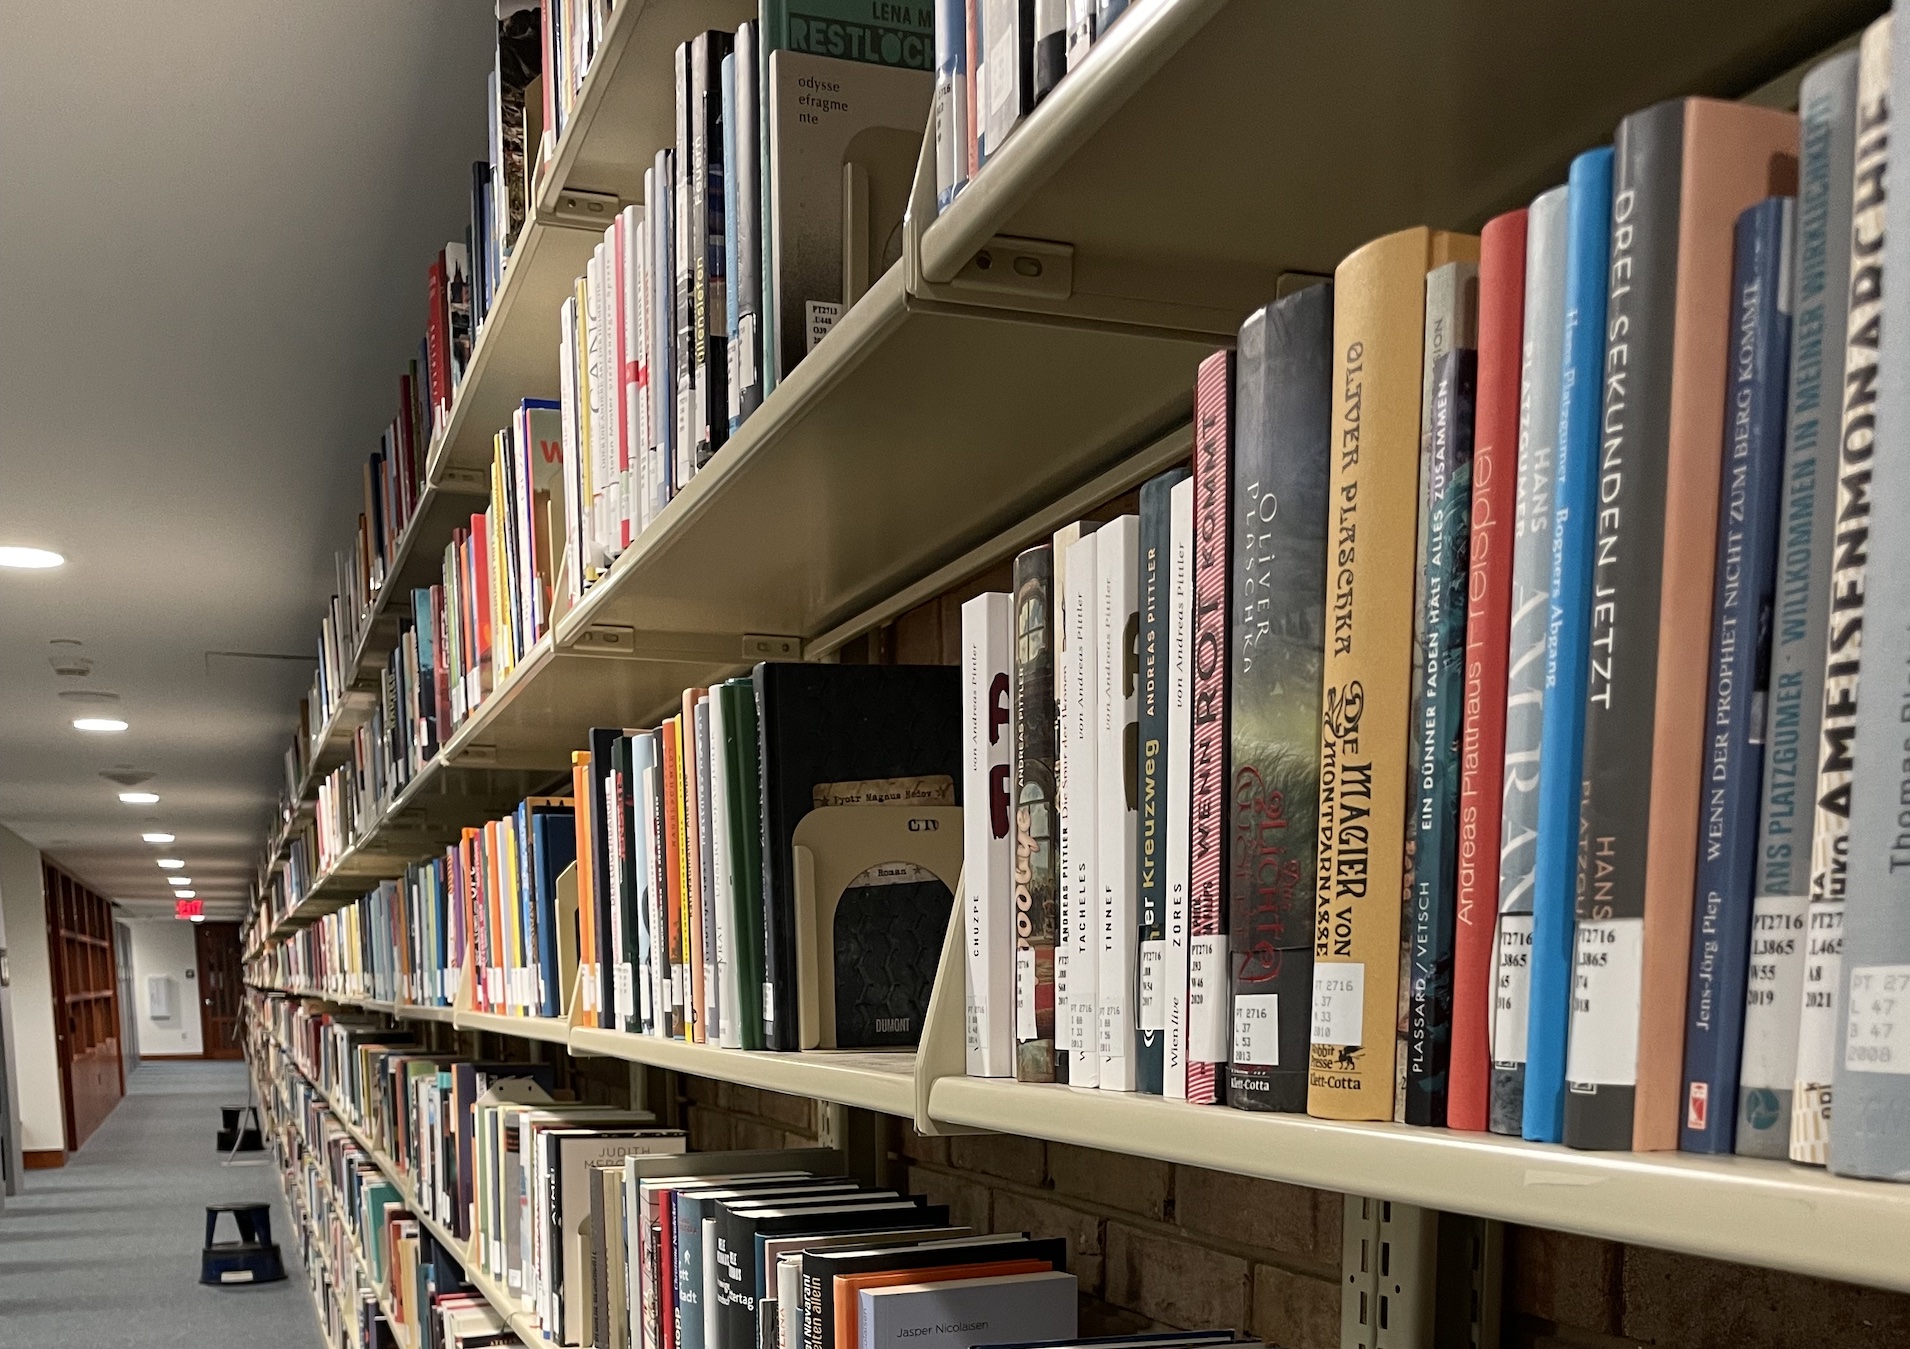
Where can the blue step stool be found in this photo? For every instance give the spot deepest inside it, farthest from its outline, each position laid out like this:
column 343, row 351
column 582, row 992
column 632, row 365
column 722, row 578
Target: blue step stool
column 253, row 1258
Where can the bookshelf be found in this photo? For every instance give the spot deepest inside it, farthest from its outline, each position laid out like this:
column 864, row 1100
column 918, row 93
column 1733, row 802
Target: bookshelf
column 948, row 420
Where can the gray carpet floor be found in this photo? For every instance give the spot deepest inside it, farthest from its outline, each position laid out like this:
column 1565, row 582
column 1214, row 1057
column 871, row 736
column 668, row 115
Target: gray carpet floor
column 104, row 1253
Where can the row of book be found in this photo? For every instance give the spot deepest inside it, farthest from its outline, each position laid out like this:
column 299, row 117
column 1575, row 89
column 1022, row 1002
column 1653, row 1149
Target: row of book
column 746, row 252
column 1499, row 567
column 606, row 1230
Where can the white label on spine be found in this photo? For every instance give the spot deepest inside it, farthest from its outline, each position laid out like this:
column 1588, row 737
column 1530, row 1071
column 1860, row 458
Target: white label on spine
column 769, row 1003
column 819, row 317
column 1339, row 1003
column 1772, row 989
column 677, row 982
column 624, row 976
column 1817, row 1029
column 1877, row 1038
column 1511, row 985
column 1607, row 969
column 1207, row 1028
column 746, row 350
column 1025, row 993
column 1153, row 1001
column 1257, row 1030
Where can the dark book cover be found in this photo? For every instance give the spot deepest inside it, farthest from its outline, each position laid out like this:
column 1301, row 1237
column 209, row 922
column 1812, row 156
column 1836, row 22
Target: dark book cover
column 1051, row 48
column 1156, row 582
column 1283, row 408
column 1628, row 554
column 519, row 62
column 603, row 893
column 683, row 255
column 747, row 265
column 741, row 1226
column 710, row 299
column 820, row 1269
column 1036, row 861
column 1744, row 593
column 625, row 854
column 469, row 1081
column 742, row 750
column 1439, row 665
column 554, row 847
column 852, row 732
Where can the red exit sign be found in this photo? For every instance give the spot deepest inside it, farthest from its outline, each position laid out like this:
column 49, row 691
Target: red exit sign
column 188, row 908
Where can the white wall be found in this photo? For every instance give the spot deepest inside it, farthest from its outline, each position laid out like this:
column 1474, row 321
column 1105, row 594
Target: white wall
column 35, row 1048
column 163, row 947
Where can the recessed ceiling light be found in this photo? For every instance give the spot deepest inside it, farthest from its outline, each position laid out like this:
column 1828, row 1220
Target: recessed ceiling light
column 198, row 918
column 32, row 559
column 157, row 838
column 185, row 894
column 171, row 863
column 140, row 798
column 98, row 724
column 178, row 880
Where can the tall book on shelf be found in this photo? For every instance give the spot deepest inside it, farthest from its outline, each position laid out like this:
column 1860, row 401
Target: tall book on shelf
column 1035, row 825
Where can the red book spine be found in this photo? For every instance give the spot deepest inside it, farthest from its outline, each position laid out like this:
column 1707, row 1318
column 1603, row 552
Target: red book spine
column 1213, row 473
column 435, row 335
column 1488, row 632
column 672, row 874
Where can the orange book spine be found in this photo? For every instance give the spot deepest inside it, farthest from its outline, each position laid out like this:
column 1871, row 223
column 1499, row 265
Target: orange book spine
column 694, row 1003
column 849, row 1285
column 586, row 883
column 671, row 1017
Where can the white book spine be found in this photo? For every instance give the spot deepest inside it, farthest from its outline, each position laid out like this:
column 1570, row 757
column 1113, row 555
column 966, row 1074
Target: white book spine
column 655, row 972
column 1117, row 818
column 615, row 301
column 630, row 377
column 646, row 285
column 1180, row 781
column 577, row 550
column 988, row 839
column 591, row 403
column 1076, row 959
column 729, row 1030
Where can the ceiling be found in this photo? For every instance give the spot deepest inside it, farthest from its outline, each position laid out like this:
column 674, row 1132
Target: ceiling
column 215, row 222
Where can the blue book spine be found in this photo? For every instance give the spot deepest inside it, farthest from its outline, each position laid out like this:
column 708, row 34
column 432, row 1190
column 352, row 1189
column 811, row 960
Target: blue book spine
column 731, row 266
column 556, row 843
column 951, row 100
column 1741, row 610
column 1562, row 738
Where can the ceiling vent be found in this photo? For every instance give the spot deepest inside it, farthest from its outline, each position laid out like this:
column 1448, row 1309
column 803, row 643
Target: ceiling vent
column 127, row 777
column 69, row 666
column 88, row 696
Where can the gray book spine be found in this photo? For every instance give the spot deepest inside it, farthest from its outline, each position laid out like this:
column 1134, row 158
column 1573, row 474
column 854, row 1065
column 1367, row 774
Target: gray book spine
column 1818, row 1029
column 1820, row 275
column 1870, row 1130
column 1540, row 381
column 749, row 215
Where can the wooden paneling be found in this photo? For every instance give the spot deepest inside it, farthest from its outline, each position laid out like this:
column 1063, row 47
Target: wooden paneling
column 79, row 930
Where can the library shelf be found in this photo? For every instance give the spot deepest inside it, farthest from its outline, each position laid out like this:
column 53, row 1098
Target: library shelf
column 1772, row 1214
column 550, row 1030
column 869, row 1079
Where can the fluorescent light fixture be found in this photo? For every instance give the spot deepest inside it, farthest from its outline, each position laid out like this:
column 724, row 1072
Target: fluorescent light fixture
column 198, row 918
column 31, row 559
column 157, row 838
column 140, row 798
column 98, row 724
column 178, row 880
column 171, row 863
column 185, row 894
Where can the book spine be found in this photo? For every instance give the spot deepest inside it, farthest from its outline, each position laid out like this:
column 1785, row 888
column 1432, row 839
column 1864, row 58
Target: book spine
column 1818, row 1029
column 684, row 249
column 661, row 207
column 1151, row 842
column 1827, row 113
column 1449, row 383
column 988, row 861
column 1077, row 964
column 712, row 301
column 1283, row 415
column 1008, row 32
column 1870, row 1130
column 1378, row 341
column 1207, row 973
column 1602, row 1052
column 951, row 100
column 1035, row 825
column 1180, row 780
column 732, row 383
column 748, row 274
column 690, row 757
column 1080, row 32
column 1562, row 734
column 1051, row 46
column 710, row 1010
column 1482, row 753
column 1742, row 590
column 1117, row 796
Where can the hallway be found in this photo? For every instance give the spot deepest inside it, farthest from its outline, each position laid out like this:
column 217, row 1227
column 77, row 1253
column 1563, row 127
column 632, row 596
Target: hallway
column 104, row 1253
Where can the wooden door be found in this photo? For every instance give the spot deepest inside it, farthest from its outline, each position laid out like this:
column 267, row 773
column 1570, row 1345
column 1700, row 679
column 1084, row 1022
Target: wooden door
column 219, row 988
column 79, row 931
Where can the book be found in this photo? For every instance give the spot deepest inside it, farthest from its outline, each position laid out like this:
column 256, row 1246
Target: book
column 1177, row 915
column 754, row 813
column 1050, row 46
column 1283, row 372
column 1077, row 959
column 953, row 1314
column 1528, row 518
column 1008, row 65
column 746, row 262
column 692, row 770
column 951, row 100
column 1378, row 338
column 1827, row 116
column 1819, row 1029
column 1870, row 1126
column 1035, row 858
column 1154, row 598
column 1207, row 961
column 822, row 1268
column 828, row 735
column 732, row 317
column 1743, row 590
column 826, row 118
column 1562, row 732
column 988, row 830
column 1449, row 388
column 1682, row 171
column 1494, row 514
column 1117, row 798
column 709, row 334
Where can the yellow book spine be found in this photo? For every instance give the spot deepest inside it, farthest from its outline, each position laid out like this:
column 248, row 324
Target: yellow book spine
column 1379, row 306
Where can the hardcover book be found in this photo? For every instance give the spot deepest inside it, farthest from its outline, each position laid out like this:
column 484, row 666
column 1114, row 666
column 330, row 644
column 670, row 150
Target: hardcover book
column 1740, row 672
column 1077, row 953
column 1283, row 408
column 1682, row 171
column 1449, row 387
column 1151, row 845
column 1378, row 339
column 1177, row 885
column 1036, row 1059
column 1827, row 116
column 746, row 260
column 988, row 833
column 1818, row 1029
column 1117, row 796
column 961, row 1312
